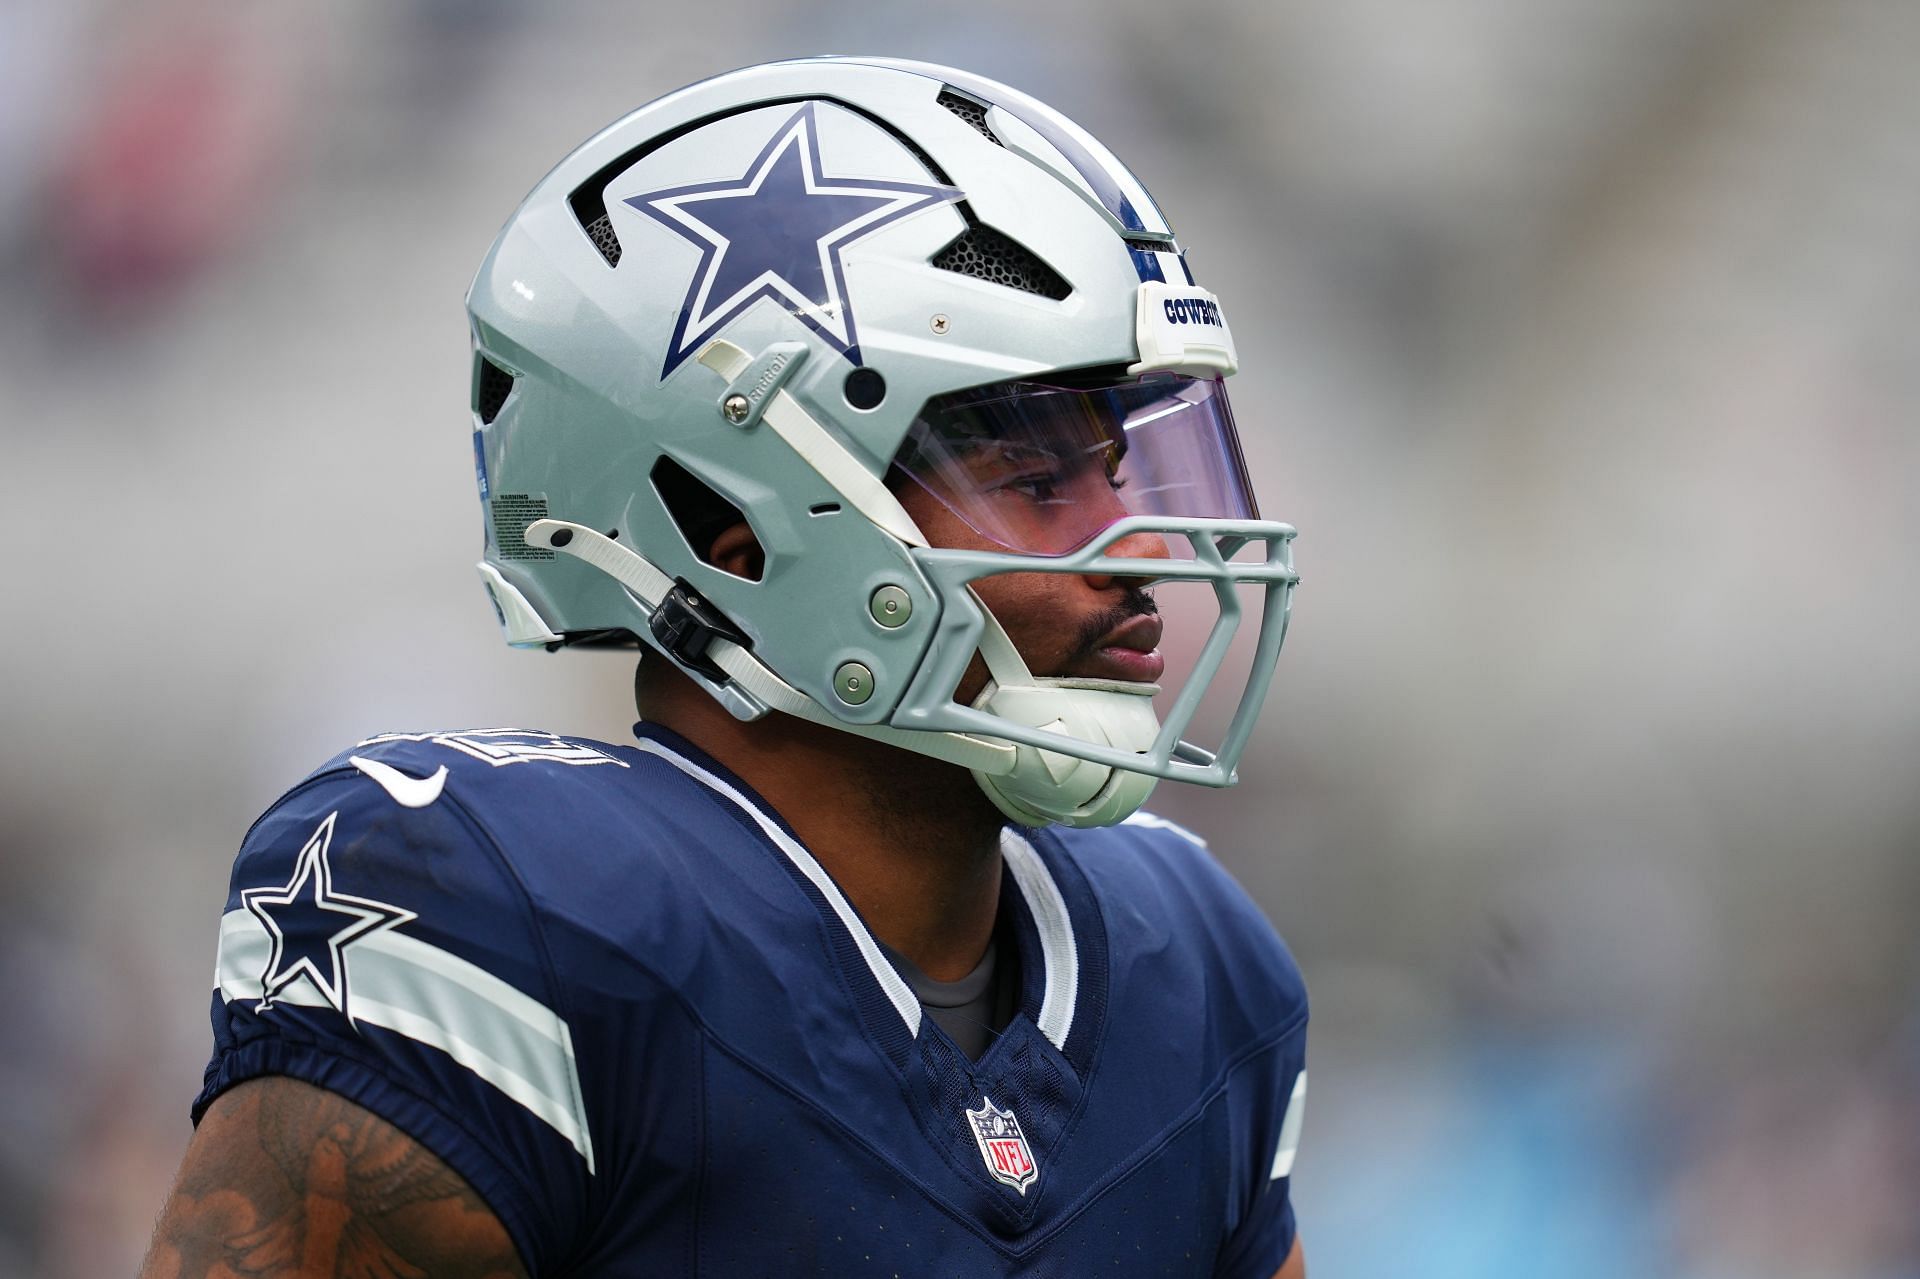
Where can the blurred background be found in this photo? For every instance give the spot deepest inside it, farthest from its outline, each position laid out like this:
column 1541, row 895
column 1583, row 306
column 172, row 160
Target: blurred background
column 1581, row 340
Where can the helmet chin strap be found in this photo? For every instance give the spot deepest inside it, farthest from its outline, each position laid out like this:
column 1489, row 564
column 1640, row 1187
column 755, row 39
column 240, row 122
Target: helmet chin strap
column 1034, row 787
column 755, row 689
column 1045, row 786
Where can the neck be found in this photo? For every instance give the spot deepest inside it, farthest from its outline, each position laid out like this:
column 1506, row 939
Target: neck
column 911, row 841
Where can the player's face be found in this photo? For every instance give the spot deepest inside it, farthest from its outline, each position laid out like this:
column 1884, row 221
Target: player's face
column 1089, row 625
column 1043, row 470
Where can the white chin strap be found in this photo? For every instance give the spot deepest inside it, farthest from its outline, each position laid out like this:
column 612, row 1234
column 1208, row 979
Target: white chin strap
column 1032, row 786
column 1045, row 786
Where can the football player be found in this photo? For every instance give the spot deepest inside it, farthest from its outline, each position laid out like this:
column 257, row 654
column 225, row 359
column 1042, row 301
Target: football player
column 869, row 396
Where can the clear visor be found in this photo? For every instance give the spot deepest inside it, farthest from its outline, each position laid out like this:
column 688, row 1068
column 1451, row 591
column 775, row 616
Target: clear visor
column 1043, row 470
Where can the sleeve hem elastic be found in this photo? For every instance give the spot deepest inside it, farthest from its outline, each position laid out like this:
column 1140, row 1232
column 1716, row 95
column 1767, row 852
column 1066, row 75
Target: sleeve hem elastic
column 405, row 1110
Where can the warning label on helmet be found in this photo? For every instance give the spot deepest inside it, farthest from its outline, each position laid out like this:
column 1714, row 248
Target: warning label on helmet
column 512, row 512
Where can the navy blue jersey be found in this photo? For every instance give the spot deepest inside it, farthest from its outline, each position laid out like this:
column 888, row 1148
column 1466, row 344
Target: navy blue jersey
column 609, row 987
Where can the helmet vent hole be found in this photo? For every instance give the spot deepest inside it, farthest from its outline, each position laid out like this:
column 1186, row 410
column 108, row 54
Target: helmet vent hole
column 993, row 256
column 974, row 113
column 824, row 508
column 491, row 386
column 600, row 231
column 700, row 513
column 865, row 388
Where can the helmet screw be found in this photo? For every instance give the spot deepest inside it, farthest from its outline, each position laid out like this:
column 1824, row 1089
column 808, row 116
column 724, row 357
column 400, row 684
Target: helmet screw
column 853, row 683
column 940, row 324
column 735, row 407
column 891, row 607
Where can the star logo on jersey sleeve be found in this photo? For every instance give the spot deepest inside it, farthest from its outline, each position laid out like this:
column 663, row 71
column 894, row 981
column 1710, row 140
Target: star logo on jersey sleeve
column 311, row 925
column 778, row 232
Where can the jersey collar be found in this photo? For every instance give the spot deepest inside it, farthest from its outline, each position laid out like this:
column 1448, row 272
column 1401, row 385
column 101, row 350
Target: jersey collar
column 1055, row 923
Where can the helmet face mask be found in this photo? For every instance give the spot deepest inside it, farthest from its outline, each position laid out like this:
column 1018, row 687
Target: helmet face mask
column 804, row 291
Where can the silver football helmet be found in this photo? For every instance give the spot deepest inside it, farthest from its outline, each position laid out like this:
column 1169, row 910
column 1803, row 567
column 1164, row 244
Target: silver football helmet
column 784, row 295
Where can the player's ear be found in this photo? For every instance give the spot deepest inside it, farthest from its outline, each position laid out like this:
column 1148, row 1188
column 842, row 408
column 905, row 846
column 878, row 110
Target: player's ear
column 737, row 551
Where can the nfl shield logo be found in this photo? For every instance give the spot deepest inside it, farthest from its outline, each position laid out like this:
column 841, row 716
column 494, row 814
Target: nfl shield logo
column 1003, row 1147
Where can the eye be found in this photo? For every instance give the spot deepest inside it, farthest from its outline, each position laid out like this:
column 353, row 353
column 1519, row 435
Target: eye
column 1050, row 484
column 1035, row 486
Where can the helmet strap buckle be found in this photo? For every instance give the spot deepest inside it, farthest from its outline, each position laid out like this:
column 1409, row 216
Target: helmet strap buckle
column 685, row 624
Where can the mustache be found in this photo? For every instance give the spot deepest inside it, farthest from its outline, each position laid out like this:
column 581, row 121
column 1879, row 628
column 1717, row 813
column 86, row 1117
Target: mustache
column 1135, row 603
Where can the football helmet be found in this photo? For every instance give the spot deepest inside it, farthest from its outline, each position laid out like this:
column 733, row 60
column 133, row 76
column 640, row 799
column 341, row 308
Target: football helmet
column 779, row 296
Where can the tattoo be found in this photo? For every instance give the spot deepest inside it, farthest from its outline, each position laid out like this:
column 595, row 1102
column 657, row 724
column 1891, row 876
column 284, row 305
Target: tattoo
column 290, row 1181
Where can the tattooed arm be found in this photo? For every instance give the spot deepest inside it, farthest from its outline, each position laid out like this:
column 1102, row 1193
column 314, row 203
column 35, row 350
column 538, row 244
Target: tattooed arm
column 284, row 1180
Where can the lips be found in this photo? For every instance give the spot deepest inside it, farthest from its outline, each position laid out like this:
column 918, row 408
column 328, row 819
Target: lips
column 1129, row 652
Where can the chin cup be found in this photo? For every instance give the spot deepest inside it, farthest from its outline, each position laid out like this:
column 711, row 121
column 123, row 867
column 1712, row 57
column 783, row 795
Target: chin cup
column 1045, row 786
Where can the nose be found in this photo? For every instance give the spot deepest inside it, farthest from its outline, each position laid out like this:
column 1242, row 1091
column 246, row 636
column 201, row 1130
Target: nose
column 1141, row 544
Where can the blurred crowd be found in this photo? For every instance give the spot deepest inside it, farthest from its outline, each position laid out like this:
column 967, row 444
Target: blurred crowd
column 1580, row 338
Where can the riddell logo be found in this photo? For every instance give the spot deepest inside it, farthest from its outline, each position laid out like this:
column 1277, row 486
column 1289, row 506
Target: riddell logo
column 770, row 377
column 1193, row 311
column 1003, row 1147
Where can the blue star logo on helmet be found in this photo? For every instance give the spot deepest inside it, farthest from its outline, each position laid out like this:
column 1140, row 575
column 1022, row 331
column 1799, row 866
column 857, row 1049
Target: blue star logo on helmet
column 778, row 232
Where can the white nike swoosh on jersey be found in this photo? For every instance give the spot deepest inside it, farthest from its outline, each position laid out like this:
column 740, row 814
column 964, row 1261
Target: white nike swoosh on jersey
column 409, row 792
